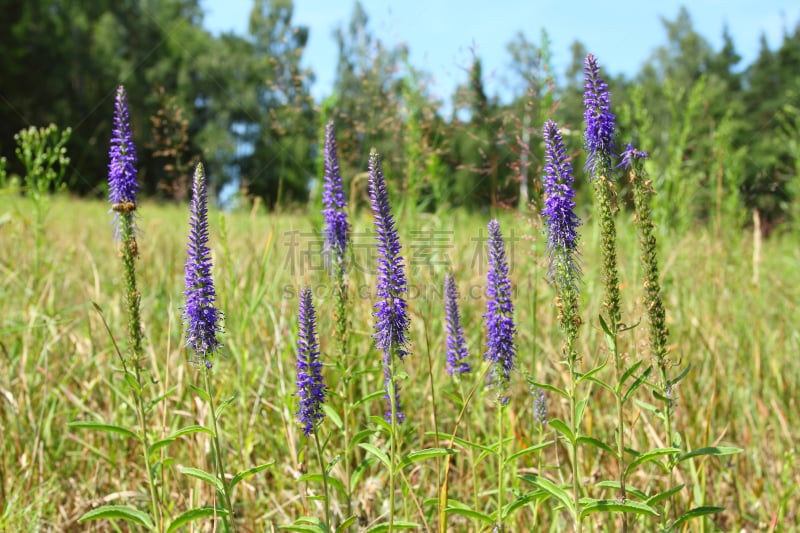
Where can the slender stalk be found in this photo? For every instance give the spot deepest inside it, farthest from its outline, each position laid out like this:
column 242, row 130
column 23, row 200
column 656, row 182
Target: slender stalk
column 218, row 457
column 324, row 472
column 576, row 496
column 393, row 439
column 500, row 485
column 618, row 371
column 129, row 251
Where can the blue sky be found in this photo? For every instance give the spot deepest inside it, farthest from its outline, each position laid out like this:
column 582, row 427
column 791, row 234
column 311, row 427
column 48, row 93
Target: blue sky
column 441, row 35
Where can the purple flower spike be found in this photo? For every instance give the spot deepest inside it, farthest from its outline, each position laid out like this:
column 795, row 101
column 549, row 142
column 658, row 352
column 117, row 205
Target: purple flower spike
column 559, row 206
column 200, row 315
column 599, row 135
column 391, row 316
column 499, row 315
column 310, row 387
column 334, row 202
column 456, row 345
column 630, row 154
column 122, row 183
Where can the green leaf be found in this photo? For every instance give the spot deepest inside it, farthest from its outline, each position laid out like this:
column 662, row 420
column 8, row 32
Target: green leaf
column 469, row 513
column 580, row 408
column 155, row 401
column 188, row 430
column 614, row 484
column 222, row 406
column 131, row 381
column 560, row 426
column 202, row 475
column 605, row 327
column 602, row 384
column 647, row 406
column 461, row 442
column 108, row 428
column 346, row 524
column 661, row 496
column 121, row 512
column 200, row 392
column 333, row 416
column 377, row 452
column 382, row 424
column 361, row 435
column 522, row 501
column 551, row 388
column 244, row 474
column 718, row 451
column 306, row 524
column 157, row 445
column 638, row 382
column 552, row 489
column 421, row 455
column 697, row 512
column 650, row 456
column 631, row 371
column 514, row 456
column 368, row 398
column 681, row 375
column 195, row 514
column 380, row 528
column 591, row 441
column 590, row 374
column 590, row 505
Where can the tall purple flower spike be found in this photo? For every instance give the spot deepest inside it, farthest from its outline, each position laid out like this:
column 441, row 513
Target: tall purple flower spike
column 456, row 345
column 122, row 183
column 391, row 315
column 334, row 203
column 599, row 135
column 559, row 208
column 310, row 387
column 200, row 313
column 499, row 315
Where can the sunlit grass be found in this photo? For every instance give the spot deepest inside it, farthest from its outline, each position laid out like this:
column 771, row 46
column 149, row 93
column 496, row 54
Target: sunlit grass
column 740, row 337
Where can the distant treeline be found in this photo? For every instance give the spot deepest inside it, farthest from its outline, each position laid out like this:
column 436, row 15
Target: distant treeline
column 724, row 138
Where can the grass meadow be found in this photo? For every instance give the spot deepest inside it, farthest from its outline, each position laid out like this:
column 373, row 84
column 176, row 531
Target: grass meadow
column 732, row 311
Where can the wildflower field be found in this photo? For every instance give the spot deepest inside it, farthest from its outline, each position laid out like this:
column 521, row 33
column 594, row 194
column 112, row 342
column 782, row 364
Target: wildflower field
column 363, row 365
column 739, row 334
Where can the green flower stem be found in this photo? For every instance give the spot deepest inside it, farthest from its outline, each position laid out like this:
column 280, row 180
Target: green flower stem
column 393, row 439
column 500, row 485
column 324, row 473
column 130, row 252
column 218, row 457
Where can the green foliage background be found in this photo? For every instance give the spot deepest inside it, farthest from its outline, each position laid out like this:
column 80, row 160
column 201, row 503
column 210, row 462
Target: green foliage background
column 722, row 135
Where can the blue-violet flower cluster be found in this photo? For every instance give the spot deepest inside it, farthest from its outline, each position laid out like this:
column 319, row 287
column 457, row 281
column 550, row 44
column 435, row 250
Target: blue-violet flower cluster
column 310, row 387
column 559, row 208
column 630, row 154
column 599, row 135
column 456, row 345
column 200, row 314
column 334, row 203
column 500, row 350
column 391, row 315
column 122, row 183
